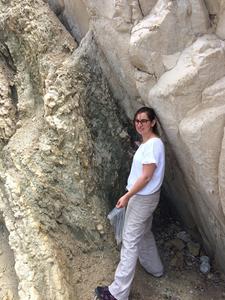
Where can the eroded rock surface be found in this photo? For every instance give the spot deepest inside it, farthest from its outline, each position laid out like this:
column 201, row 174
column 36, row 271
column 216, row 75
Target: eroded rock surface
column 8, row 96
column 64, row 149
column 64, row 143
column 170, row 55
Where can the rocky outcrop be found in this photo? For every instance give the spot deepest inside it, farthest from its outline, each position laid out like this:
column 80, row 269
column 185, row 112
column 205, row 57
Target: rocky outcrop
column 63, row 120
column 151, row 50
column 170, row 55
column 64, row 148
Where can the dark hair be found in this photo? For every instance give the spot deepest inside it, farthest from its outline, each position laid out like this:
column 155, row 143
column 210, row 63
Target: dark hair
column 151, row 115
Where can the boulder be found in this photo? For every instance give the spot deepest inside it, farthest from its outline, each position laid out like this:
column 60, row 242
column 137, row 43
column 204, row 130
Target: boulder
column 152, row 44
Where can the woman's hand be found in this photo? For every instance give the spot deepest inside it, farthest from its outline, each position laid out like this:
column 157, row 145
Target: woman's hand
column 122, row 202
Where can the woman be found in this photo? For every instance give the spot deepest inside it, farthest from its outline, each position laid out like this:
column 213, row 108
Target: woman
column 141, row 199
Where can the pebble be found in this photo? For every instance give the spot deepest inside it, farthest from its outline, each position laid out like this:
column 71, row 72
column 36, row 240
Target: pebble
column 184, row 236
column 210, row 276
column 178, row 244
column 204, row 268
column 99, row 227
column 204, row 258
column 205, row 265
column 167, row 294
column 193, row 248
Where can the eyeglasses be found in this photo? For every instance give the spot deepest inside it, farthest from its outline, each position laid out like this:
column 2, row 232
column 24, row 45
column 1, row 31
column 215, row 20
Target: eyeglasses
column 142, row 121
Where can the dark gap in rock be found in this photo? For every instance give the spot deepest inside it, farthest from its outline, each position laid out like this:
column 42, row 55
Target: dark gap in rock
column 167, row 214
column 66, row 24
column 5, row 53
column 14, row 95
column 180, row 248
column 213, row 20
column 58, row 9
column 139, row 4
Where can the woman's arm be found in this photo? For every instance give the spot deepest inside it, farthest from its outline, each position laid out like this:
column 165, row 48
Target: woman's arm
column 147, row 173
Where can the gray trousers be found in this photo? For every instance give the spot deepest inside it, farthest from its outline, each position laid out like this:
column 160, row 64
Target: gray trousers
column 138, row 242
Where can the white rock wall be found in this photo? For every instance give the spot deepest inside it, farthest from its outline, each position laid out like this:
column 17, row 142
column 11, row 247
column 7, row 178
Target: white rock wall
column 171, row 55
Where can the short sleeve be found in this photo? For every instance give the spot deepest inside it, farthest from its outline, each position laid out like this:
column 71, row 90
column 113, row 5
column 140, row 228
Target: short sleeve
column 151, row 153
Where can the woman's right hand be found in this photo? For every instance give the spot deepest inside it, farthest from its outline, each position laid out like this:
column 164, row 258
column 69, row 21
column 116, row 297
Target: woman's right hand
column 122, row 202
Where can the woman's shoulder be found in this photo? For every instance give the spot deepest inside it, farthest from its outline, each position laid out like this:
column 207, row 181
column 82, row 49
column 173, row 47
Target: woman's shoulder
column 155, row 140
column 155, row 143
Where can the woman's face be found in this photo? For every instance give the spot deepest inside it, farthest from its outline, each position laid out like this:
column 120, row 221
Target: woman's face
column 142, row 123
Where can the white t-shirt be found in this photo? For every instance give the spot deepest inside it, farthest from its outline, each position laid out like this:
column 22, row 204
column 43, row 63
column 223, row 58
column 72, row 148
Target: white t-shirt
column 149, row 152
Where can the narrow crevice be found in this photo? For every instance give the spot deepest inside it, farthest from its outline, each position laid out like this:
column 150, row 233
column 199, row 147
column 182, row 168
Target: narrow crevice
column 14, row 95
column 139, row 4
column 146, row 72
column 5, row 53
column 9, row 96
column 59, row 12
column 213, row 20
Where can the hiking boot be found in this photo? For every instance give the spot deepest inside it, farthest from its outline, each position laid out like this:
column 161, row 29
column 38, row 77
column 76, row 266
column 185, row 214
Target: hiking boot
column 103, row 293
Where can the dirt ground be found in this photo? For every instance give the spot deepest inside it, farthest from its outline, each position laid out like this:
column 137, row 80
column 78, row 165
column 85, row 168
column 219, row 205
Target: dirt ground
column 183, row 283
column 182, row 279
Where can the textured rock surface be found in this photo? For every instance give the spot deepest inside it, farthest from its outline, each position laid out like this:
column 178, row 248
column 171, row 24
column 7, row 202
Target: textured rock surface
column 63, row 132
column 8, row 96
column 8, row 278
column 64, row 148
column 171, row 54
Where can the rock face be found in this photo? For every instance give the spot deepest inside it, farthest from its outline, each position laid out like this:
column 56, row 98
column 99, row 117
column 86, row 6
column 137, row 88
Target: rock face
column 171, row 55
column 64, row 120
column 64, row 148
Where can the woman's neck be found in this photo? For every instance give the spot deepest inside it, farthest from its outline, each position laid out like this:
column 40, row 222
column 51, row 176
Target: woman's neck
column 148, row 136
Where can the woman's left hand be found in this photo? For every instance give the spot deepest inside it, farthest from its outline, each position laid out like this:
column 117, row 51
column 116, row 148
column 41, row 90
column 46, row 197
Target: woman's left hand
column 122, row 202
